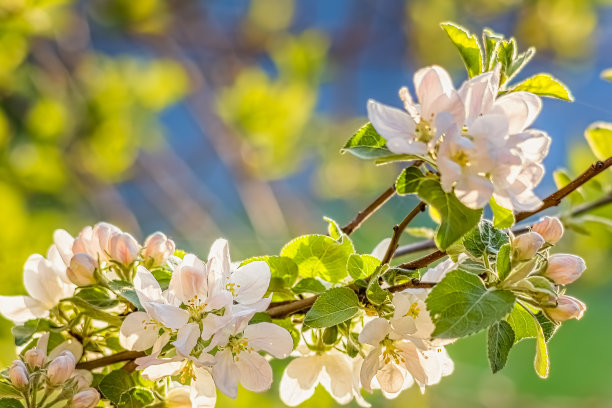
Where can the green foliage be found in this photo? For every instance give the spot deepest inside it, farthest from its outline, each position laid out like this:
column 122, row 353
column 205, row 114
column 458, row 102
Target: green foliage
column 319, row 256
column 408, row 181
column 10, row 403
column 461, row 305
column 502, row 217
column 366, row 143
column 468, row 47
column 281, row 267
column 542, row 361
column 522, row 322
column 126, row 291
column 599, row 137
column 499, row 342
column 374, row 292
column 545, row 85
column 333, row 307
column 23, row 333
column 308, row 285
column 456, row 218
column 484, row 239
column 503, row 262
column 114, row 384
column 333, row 229
column 96, row 297
column 361, row 266
column 136, row 397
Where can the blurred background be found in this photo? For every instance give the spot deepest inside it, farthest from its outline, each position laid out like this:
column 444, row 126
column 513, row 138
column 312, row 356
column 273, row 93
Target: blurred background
column 223, row 118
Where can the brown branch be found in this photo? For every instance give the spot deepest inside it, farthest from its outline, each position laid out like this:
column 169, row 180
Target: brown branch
column 411, row 284
column 363, row 215
column 112, row 359
column 424, row 261
column 399, row 229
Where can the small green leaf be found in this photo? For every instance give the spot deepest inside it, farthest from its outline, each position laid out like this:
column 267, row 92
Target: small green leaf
column 10, row 403
column 332, row 307
column 505, row 52
column 484, row 239
column 490, row 39
column 499, row 341
column 7, row 390
column 408, row 181
column 519, row 62
column 23, row 333
column 361, row 266
column 502, row 217
column 461, row 305
column 367, row 144
column 308, row 285
column 522, row 322
column 333, row 229
column 599, row 137
column 456, row 218
column 468, row 47
column 542, row 361
column 549, row 328
column 281, row 267
column 136, row 397
column 126, row 291
column 114, row 384
column 319, row 256
column 503, row 262
column 545, row 85
column 162, row 276
column 95, row 312
column 330, row 335
column 375, row 294
column 97, row 297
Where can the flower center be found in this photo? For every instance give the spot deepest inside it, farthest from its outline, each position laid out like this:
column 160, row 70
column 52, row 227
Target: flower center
column 238, row 344
column 187, row 372
column 424, row 133
column 414, row 310
column 390, row 352
column 232, row 288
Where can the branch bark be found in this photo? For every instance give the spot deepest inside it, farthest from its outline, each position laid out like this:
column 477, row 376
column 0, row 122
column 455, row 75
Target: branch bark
column 399, row 229
column 112, row 359
column 363, row 215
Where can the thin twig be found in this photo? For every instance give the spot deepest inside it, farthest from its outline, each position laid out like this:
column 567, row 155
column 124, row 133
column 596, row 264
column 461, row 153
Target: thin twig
column 112, row 359
column 399, row 229
column 363, row 215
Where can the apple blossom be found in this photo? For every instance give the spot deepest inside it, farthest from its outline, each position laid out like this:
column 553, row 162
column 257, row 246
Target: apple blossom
column 123, row 248
column 550, row 228
column 157, row 249
column 18, row 374
column 525, row 246
column 564, row 269
column 568, row 307
column 61, row 368
column 87, row 398
column 81, row 269
column 34, row 358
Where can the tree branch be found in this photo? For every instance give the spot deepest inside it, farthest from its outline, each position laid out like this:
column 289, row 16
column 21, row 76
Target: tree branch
column 399, row 229
column 112, row 359
column 363, row 215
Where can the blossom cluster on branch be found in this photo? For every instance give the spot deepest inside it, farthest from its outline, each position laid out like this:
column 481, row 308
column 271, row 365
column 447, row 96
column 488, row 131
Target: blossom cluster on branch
column 110, row 321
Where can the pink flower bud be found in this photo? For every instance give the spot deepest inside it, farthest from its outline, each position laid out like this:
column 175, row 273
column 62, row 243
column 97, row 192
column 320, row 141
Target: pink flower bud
column 550, row 228
column 567, row 308
column 61, row 368
column 527, row 245
column 158, row 248
column 81, row 269
column 102, row 233
column 34, row 358
column 123, row 248
column 88, row 398
column 18, row 374
column 83, row 379
column 564, row 269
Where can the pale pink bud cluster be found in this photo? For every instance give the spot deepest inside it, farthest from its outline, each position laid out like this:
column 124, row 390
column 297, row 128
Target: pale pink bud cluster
column 61, row 368
column 564, row 269
column 81, row 269
column 157, row 249
column 34, row 358
column 87, row 398
column 123, row 248
column 527, row 245
column 567, row 308
column 18, row 374
column 550, row 228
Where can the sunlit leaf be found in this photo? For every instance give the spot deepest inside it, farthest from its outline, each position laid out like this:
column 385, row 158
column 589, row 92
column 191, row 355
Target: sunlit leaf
column 545, row 85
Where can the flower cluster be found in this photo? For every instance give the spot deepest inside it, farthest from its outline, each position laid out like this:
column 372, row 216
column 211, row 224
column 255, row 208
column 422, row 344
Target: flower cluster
column 481, row 143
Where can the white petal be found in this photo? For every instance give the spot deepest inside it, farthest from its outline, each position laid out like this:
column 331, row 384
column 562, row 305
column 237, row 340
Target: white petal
column 390, row 122
column 255, row 371
column 226, row 373
column 299, row 380
column 146, row 286
column 63, row 242
column 20, row 309
column 521, row 109
column 474, row 191
column 186, row 338
column 166, row 369
column 390, row 378
column 42, row 281
column 270, row 338
column 220, row 262
column 138, row 332
column 369, row 368
column 374, row 331
column 381, row 249
column 212, row 323
column 72, row 345
column 431, row 83
column 413, row 361
column 400, row 145
column 438, row 272
column 189, row 279
column 170, row 316
column 203, row 391
column 251, row 281
column 338, row 378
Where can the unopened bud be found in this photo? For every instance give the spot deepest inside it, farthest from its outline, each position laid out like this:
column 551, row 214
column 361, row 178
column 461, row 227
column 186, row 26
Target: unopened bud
column 527, row 245
column 83, row 379
column 178, row 398
column 123, row 248
column 34, row 358
column 564, row 269
column 81, row 269
column 61, row 368
column 550, row 228
column 567, row 308
column 88, row 398
column 18, row 374
column 157, row 249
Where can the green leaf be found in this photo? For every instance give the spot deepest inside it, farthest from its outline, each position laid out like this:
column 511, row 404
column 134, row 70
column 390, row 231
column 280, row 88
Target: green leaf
column 456, row 218
column 114, row 384
column 503, row 262
column 542, row 361
column 473, row 267
column 502, row 217
column 162, row 276
column 490, row 39
column 461, row 305
column 367, row 144
column 484, row 239
column 136, row 397
column 545, row 85
column 97, row 297
column 281, row 267
column 126, row 291
column 319, row 256
column 408, row 181
column 333, row 229
column 7, row 390
column 375, row 294
column 549, row 328
column 505, row 52
column 468, row 47
column 10, row 403
column 332, row 307
column 309, row 285
column 519, row 62
column 599, row 137
column 23, row 333
column 361, row 266
column 95, row 312
column 522, row 322
column 499, row 342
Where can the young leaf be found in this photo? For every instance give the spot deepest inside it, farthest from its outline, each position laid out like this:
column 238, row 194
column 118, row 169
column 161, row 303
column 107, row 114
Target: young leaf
column 545, row 85
column 468, row 47
column 519, row 62
column 308, row 285
column 10, row 403
column 367, row 144
column 503, row 263
column 408, row 181
column 599, row 137
column 319, row 256
column 333, row 229
column 500, row 340
column 549, row 328
column 502, row 217
column 456, row 219
column 97, row 297
column 126, row 291
column 542, row 361
column 490, row 40
column 332, row 307
column 522, row 322
column 280, row 267
column 461, row 305
column 361, row 266
column 136, row 397
column 375, row 294
column 484, row 239
column 114, row 384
